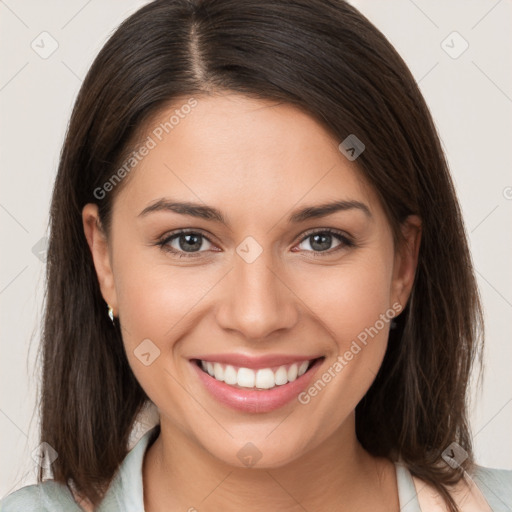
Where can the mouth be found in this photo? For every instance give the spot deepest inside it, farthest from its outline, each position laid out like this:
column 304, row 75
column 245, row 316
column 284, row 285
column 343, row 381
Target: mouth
column 261, row 378
column 255, row 385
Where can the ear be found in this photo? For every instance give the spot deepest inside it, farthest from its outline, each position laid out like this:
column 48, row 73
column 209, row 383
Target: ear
column 406, row 260
column 100, row 251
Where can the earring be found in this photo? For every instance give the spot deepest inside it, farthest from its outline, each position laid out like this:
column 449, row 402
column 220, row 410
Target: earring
column 111, row 313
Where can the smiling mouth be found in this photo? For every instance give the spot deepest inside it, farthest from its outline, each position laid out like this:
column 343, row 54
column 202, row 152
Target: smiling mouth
column 256, row 379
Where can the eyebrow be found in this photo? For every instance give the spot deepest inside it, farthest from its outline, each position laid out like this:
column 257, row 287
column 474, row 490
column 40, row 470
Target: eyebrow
column 210, row 213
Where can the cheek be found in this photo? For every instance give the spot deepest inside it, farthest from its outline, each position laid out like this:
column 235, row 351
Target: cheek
column 156, row 303
column 161, row 302
column 155, row 297
column 353, row 305
column 351, row 298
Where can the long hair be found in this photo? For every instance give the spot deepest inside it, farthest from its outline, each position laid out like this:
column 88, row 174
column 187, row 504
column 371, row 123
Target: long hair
column 327, row 59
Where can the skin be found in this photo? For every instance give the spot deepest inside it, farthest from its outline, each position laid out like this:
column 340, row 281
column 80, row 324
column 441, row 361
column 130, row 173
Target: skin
column 257, row 162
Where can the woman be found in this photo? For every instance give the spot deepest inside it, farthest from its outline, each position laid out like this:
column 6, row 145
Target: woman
column 253, row 228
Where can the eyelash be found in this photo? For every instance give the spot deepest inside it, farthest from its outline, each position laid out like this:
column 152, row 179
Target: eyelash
column 341, row 236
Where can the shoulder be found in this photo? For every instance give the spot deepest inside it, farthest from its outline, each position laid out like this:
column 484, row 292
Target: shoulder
column 495, row 485
column 125, row 492
column 482, row 489
column 47, row 496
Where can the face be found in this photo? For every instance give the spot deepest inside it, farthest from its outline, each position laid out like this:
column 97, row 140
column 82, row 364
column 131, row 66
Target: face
column 287, row 305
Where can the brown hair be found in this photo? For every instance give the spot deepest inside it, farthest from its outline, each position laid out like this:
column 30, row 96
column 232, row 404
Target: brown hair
column 326, row 58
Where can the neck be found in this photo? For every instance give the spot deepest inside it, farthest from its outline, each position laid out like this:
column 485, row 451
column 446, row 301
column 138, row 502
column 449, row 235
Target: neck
column 338, row 474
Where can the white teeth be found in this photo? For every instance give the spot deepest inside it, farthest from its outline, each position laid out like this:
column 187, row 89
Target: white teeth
column 230, row 375
column 246, row 377
column 281, row 376
column 264, row 378
column 218, row 371
column 302, row 368
column 292, row 372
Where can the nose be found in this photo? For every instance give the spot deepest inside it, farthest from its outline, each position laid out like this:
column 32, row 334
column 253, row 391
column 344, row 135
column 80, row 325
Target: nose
column 257, row 301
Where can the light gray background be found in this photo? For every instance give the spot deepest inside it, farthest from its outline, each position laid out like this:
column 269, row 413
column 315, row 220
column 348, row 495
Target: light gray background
column 471, row 101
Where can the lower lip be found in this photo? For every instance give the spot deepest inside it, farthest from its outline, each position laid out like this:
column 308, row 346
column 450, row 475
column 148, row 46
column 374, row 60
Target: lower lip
column 254, row 400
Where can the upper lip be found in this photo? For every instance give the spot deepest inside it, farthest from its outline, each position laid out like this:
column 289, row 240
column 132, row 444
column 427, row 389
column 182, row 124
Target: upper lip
column 256, row 362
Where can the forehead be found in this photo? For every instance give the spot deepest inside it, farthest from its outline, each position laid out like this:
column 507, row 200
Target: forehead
column 242, row 154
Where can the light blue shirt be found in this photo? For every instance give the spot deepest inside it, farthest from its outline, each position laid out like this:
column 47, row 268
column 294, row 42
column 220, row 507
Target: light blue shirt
column 125, row 493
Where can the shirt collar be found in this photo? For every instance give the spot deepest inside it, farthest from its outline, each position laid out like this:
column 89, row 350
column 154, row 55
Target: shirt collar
column 126, row 490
